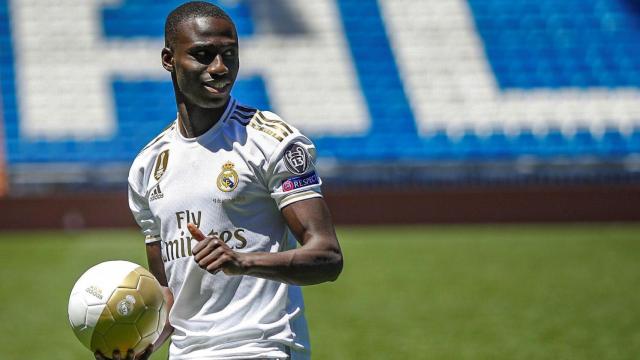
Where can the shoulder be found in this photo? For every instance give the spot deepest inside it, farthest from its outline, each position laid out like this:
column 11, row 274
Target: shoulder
column 147, row 157
column 267, row 129
column 272, row 127
column 159, row 140
column 268, row 134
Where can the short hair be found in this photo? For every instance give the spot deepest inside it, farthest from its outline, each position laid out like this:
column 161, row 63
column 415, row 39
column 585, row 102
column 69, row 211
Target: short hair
column 190, row 10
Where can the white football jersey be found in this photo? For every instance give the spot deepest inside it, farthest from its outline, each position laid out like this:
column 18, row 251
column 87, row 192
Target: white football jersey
column 232, row 182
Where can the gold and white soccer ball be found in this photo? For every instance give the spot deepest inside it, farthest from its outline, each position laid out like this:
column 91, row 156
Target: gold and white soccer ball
column 117, row 305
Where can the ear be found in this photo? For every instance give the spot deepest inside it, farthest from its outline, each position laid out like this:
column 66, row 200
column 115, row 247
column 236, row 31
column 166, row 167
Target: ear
column 167, row 59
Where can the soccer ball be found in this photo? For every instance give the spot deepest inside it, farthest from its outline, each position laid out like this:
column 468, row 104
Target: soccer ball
column 117, row 305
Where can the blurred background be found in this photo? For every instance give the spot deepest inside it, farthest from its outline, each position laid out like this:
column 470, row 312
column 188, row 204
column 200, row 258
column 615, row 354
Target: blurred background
column 425, row 114
column 504, row 110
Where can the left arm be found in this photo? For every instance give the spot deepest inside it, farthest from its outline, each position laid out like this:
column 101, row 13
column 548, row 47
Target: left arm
column 317, row 260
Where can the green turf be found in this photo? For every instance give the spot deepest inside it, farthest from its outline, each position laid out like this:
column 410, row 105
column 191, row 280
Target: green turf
column 444, row 292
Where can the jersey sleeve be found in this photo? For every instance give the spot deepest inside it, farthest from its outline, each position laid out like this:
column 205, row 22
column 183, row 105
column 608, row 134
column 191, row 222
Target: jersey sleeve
column 292, row 174
column 139, row 205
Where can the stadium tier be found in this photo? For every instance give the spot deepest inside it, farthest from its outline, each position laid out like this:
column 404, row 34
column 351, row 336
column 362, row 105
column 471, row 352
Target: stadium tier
column 391, row 91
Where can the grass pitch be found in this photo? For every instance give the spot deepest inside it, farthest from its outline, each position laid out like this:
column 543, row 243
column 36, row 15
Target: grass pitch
column 432, row 292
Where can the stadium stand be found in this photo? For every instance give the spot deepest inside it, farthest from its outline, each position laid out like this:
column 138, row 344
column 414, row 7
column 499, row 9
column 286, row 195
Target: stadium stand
column 429, row 92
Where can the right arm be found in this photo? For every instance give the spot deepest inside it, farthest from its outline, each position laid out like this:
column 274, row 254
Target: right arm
column 139, row 205
column 156, row 266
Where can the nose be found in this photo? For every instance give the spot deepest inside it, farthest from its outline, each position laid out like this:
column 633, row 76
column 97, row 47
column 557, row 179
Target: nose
column 217, row 66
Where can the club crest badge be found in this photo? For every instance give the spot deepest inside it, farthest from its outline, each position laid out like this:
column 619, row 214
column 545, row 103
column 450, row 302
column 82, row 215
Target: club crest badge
column 228, row 178
column 296, row 159
column 161, row 164
column 126, row 305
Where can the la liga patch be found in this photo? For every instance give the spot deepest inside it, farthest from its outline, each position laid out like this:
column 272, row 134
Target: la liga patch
column 298, row 182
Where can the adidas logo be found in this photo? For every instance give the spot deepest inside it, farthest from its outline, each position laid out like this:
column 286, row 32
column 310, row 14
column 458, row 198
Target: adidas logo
column 156, row 193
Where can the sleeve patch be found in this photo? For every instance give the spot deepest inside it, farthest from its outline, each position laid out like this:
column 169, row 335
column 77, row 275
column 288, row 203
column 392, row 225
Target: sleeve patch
column 296, row 159
column 298, row 182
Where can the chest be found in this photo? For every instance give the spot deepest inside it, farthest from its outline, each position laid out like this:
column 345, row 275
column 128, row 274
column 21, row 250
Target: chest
column 220, row 184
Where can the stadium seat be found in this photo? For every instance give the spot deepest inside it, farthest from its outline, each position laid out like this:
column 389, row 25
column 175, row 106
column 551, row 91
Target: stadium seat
column 530, row 46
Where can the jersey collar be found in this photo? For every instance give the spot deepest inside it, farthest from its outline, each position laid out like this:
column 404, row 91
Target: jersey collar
column 214, row 129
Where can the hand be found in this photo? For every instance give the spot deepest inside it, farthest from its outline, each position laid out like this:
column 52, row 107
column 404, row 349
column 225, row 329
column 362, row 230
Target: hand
column 213, row 254
column 130, row 354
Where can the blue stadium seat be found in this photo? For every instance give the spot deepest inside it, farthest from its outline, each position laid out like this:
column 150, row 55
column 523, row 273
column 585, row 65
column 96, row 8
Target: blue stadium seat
column 554, row 143
column 498, row 145
column 529, row 44
column 583, row 142
column 438, row 146
column 526, row 143
column 613, row 143
column 469, row 147
column 633, row 143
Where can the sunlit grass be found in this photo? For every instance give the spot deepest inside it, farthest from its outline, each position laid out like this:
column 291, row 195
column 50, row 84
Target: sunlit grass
column 444, row 292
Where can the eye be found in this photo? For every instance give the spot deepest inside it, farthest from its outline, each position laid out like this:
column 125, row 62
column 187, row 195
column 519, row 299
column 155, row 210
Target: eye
column 202, row 56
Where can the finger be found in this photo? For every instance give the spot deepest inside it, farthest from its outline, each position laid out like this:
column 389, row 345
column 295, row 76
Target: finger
column 218, row 264
column 206, row 249
column 130, row 354
column 116, row 355
column 201, row 244
column 195, row 232
column 98, row 355
column 211, row 257
column 147, row 352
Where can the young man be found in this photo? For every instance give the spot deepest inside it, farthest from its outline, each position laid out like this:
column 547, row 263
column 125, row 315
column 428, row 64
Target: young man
column 218, row 196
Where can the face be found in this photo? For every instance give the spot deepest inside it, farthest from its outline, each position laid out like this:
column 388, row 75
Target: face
column 204, row 60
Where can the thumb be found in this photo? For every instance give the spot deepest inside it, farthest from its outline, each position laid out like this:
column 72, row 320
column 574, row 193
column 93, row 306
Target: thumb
column 195, row 232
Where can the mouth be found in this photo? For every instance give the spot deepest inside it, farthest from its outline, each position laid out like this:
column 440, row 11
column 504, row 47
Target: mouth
column 217, row 86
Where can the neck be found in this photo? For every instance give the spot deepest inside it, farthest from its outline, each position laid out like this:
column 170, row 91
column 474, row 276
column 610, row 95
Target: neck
column 194, row 121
